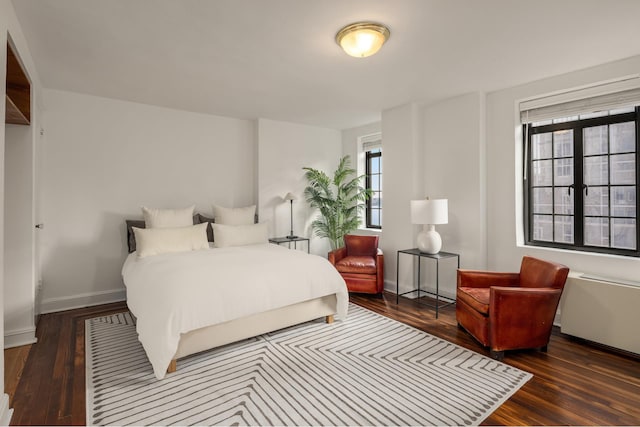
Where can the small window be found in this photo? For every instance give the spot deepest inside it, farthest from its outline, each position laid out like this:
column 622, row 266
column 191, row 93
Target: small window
column 373, row 176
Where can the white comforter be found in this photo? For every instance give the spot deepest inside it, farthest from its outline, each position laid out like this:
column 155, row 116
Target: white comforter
column 176, row 293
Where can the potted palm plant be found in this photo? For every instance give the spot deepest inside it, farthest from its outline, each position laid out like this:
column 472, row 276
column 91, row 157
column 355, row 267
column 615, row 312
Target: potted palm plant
column 339, row 199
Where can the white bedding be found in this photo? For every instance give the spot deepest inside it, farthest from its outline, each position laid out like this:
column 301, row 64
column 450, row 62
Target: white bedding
column 176, row 293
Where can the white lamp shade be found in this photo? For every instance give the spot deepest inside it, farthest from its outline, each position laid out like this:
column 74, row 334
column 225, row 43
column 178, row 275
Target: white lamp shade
column 290, row 196
column 430, row 211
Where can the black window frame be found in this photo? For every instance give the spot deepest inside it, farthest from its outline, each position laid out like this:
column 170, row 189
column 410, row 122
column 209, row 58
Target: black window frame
column 369, row 155
column 578, row 186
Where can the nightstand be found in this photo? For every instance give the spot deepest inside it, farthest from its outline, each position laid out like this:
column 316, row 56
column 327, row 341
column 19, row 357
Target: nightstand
column 295, row 240
column 415, row 252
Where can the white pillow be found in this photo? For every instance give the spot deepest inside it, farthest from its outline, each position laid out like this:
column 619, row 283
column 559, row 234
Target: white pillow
column 168, row 218
column 239, row 235
column 156, row 241
column 234, row 216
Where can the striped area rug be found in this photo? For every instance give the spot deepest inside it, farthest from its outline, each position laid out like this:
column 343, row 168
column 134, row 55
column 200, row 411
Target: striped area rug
column 367, row 370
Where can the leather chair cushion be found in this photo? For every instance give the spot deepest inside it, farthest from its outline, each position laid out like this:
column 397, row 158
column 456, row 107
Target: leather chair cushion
column 477, row 298
column 357, row 264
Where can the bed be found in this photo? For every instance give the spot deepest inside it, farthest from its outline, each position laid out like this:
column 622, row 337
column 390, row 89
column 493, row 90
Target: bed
column 189, row 302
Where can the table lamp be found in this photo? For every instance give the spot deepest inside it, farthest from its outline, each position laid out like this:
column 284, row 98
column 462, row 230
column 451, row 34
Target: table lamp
column 428, row 213
column 291, row 197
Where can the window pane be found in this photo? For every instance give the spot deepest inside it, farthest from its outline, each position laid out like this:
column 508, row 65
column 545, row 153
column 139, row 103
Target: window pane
column 596, row 203
column 542, row 200
column 375, row 183
column 563, row 143
column 596, row 170
column 375, row 165
column 623, row 169
column 541, row 146
column 563, row 229
column 375, row 217
column 623, row 201
column 543, row 228
column 623, row 233
column 563, row 169
column 623, row 137
column 563, row 201
column 375, row 200
column 595, row 140
column 596, row 231
column 541, row 171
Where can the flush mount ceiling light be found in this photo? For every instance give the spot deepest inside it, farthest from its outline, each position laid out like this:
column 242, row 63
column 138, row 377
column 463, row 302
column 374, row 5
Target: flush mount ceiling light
column 362, row 39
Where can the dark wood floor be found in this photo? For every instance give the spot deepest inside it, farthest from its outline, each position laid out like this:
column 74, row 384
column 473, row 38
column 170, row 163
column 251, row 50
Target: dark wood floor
column 575, row 383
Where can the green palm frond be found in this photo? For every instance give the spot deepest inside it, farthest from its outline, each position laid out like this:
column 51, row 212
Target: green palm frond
column 339, row 201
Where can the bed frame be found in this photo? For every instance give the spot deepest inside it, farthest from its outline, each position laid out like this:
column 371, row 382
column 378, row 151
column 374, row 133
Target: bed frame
column 210, row 337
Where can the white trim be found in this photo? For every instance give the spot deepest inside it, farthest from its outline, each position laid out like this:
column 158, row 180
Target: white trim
column 5, row 412
column 51, row 305
column 19, row 337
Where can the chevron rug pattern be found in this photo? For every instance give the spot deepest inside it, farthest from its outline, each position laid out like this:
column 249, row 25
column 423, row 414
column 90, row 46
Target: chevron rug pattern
column 367, row 370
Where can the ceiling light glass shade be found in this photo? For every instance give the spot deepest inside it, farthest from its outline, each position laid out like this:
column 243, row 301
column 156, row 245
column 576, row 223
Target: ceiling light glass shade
column 362, row 39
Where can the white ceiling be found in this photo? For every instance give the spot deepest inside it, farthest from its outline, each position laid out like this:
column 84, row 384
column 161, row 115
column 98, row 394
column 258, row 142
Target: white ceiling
column 277, row 59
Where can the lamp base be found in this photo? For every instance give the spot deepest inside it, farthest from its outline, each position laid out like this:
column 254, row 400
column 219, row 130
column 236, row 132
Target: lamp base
column 429, row 240
column 292, row 237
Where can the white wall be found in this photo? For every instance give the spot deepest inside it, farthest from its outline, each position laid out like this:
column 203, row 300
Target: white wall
column 453, row 168
column 19, row 267
column 504, row 182
column 283, row 150
column 9, row 25
column 402, row 181
column 103, row 160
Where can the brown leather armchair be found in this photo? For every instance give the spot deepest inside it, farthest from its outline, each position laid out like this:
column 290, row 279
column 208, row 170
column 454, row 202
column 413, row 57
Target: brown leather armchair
column 509, row 311
column 360, row 263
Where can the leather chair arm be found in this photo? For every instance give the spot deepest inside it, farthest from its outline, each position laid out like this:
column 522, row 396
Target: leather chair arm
column 336, row 255
column 486, row 279
column 515, row 313
column 380, row 271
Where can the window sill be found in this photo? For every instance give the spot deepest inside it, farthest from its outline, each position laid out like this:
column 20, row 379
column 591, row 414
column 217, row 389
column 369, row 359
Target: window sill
column 370, row 230
column 577, row 252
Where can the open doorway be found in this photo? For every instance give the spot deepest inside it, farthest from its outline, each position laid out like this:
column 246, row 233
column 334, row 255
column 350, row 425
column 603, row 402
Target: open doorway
column 20, row 276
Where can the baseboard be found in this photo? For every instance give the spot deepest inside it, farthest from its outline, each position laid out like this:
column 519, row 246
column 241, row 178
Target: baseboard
column 19, row 337
column 5, row 412
column 390, row 286
column 52, row 305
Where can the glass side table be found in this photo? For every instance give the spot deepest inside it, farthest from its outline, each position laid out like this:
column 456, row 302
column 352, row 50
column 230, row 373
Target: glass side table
column 415, row 252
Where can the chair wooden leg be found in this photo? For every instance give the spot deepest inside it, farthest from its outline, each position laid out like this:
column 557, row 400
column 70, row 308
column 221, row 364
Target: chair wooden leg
column 173, row 365
column 329, row 318
column 497, row 355
column 543, row 349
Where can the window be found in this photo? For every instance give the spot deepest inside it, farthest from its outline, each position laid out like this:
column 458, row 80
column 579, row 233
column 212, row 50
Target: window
column 370, row 165
column 373, row 180
column 581, row 188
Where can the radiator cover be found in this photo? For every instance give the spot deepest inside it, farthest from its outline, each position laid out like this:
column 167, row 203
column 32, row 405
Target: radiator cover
column 601, row 311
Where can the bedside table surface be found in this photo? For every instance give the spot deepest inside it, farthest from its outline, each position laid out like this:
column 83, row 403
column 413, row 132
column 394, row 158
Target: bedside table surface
column 286, row 239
